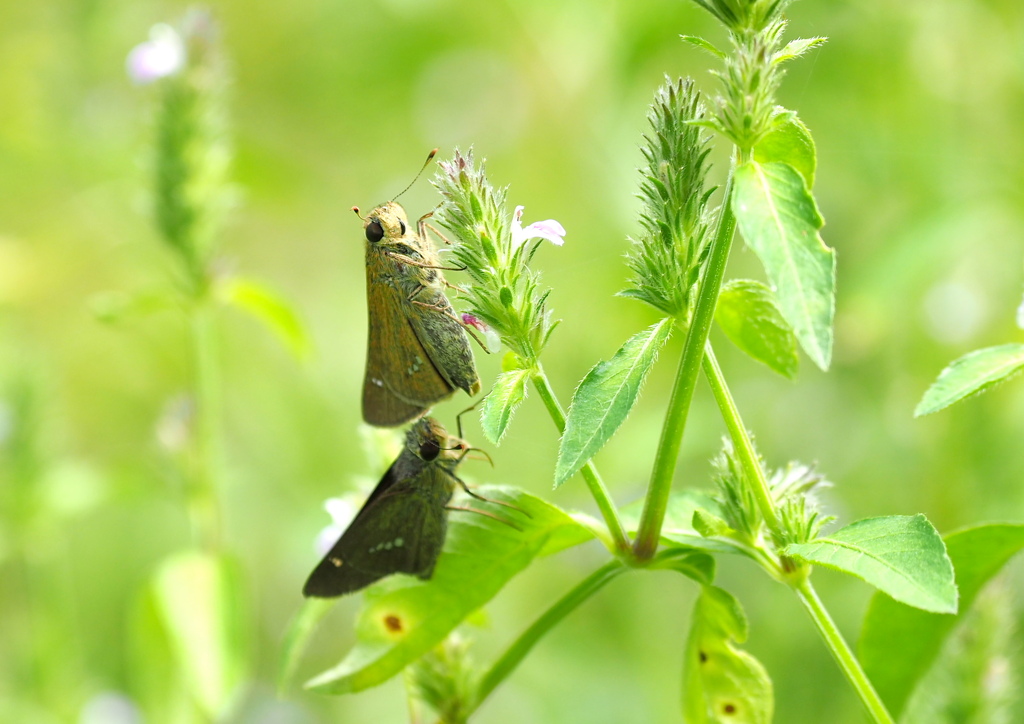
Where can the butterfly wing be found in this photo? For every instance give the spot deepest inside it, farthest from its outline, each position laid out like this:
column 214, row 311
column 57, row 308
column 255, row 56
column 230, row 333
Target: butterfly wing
column 400, row 530
column 444, row 339
column 401, row 381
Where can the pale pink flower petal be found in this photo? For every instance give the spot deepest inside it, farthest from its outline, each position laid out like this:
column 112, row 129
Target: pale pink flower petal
column 548, row 229
column 160, row 56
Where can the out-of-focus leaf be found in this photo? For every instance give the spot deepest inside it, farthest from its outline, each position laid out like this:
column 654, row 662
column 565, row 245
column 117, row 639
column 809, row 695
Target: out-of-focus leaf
column 898, row 643
column 972, row 374
column 496, row 411
column 780, row 221
column 300, row 630
column 267, row 306
column 748, row 315
column 722, row 682
column 480, row 555
column 605, row 397
column 200, row 602
column 901, row 555
column 118, row 306
column 973, row 679
column 790, row 142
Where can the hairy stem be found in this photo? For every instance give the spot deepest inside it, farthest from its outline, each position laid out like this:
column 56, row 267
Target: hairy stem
column 741, row 441
column 842, row 653
column 548, row 620
column 656, row 502
column 589, row 472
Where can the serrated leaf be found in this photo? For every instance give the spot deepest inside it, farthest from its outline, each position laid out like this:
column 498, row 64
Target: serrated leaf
column 970, row 375
column 271, row 309
column 703, row 45
column 722, row 682
column 200, row 603
column 480, row 555
column 605, row 397
column 748, row 315
column 780, row 221
column 790, row 142
column 901, row 555
column 899, row 643
column 496, row 411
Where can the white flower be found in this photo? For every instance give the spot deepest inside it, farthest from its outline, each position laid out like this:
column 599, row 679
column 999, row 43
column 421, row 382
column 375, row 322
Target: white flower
column 342, row 512
column 160, row 56
column 548, row 229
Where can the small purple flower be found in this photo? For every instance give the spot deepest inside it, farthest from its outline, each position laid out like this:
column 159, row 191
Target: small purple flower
column 342, row 513
column 491, row 338
column 548, row 229
column 161, row 56
column 470, row 321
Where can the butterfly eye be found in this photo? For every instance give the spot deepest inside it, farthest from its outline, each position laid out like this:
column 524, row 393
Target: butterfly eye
column 429, row 450
column 401, row 226
column 374, row 231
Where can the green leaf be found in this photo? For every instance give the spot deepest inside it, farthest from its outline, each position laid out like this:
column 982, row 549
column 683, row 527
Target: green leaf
column 972, row 374
column 200, row 602
column 796, row 48
column 780, row 222
column 114, row 307
column 722, row 682
column 268, row 307
column 748, row 315
column 703, row 45
column 901, row 555
column 605, row 397
column 898, row 643
column 496, row 412
column 297, row 637
column 710, row 525
column 789, row 142
column 693, row 564
column 407, row 617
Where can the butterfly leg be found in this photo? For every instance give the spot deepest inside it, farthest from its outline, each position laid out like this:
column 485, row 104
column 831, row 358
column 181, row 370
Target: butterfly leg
column 412, row 262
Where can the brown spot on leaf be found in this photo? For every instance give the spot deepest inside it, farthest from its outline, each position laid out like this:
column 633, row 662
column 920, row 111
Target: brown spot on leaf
column 703, row 656
column 729, row 708
column 393, row 623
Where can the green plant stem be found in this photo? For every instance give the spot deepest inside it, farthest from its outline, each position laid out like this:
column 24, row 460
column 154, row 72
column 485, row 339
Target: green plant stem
column 589, row 472
column 548, row 620
column 842, row 653
column 656, row 502
column 205, row 508
column 741, row 441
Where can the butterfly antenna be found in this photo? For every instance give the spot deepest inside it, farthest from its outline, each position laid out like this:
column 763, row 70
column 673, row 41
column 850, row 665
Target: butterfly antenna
column 426, row 163
column 356, row 209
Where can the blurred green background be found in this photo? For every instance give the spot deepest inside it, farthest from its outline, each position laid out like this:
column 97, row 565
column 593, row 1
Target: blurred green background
column 916, row 109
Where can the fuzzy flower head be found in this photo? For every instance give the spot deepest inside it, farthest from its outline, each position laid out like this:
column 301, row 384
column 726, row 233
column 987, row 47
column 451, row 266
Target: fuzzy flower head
column 161, row 56
column 548, row 229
